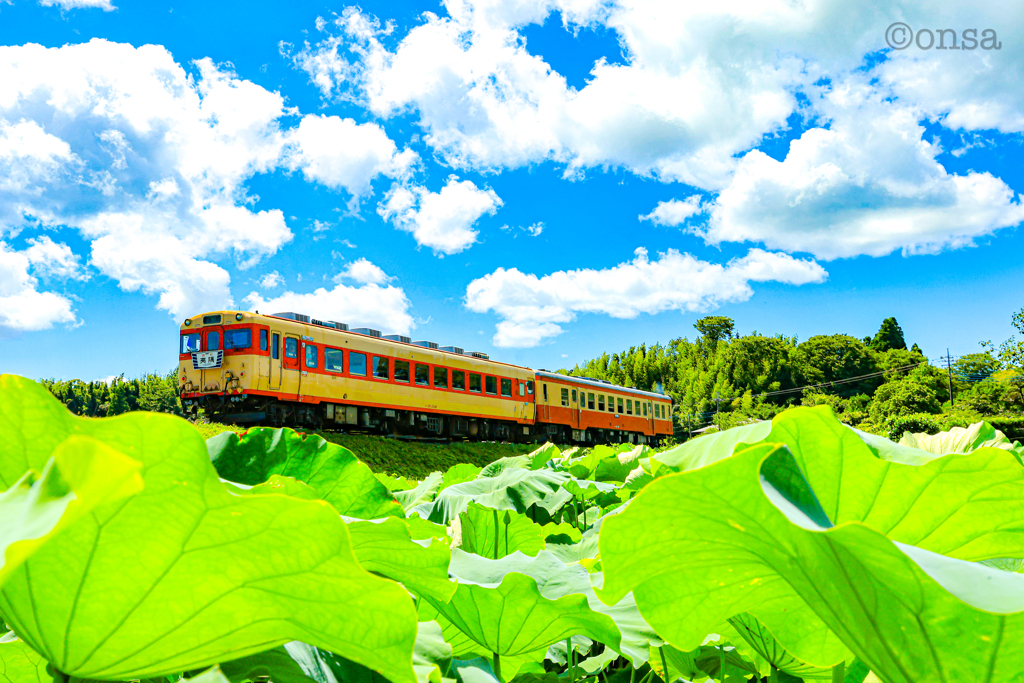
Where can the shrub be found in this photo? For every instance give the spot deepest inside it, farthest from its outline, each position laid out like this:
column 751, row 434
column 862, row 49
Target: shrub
column 902, row 397
column 897, row 425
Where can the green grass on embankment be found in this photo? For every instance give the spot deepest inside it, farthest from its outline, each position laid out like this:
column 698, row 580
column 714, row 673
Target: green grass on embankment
column 410, row 459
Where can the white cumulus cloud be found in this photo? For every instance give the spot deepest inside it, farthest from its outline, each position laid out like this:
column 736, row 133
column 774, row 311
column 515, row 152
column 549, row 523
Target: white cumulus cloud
column 271, row 280
column 867, row 184
column 533, row 308
column 150, row 163
column 23, row 308
column 104, row 5
column 364, row 272
column 441, row 220
column 370, row 304
column 675, row 211
column 340, row 153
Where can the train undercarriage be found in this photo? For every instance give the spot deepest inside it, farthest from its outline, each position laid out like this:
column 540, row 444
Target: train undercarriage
column 272, row 412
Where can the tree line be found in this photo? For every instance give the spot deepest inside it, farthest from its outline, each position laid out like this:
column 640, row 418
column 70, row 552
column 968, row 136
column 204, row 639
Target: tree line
column 102, row 398
column 725, row 378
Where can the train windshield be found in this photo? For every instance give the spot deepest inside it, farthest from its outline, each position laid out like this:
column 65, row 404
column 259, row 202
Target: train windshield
column 237, row 339
column 190, row 342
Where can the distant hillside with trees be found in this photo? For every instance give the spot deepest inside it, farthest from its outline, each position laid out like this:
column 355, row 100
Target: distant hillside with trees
column 875, row 383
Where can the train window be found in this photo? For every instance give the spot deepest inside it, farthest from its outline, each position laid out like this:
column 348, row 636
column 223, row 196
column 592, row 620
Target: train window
column 440, row 378
column 619, row 411
column 190, row 342
column 600, row 402
column 380, row 368
column 645, row 410
column 357, row 363
column 474, row 382
column 333, row 360
column 237, row 339
column 629, row 406
column 545, row 387
column 529, row 387
column 291, row 347
column 565, row 397
column 506, row 387
column 311, row 356
column 401, row 371
column 522, row 389
column 590, row 401
column 263, row 340
column 491, row 384
column 211, row 319
column 574, row 396
column 421, row 373
column 458, row 380
column 212, row 340
column 275, row 350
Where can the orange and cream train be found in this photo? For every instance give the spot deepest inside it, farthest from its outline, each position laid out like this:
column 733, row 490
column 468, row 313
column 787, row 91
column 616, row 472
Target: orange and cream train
column 288, row 369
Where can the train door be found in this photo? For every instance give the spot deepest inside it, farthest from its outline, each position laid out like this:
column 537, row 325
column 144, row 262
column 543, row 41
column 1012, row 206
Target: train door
column 543, row 407
column 291, row 375
column 211, row 363
column 275, row 360
column 650, row 417
column 574, row 404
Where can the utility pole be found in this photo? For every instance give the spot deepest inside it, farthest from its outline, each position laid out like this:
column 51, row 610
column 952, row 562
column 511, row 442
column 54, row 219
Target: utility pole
column 717, row 401
column 949, row 377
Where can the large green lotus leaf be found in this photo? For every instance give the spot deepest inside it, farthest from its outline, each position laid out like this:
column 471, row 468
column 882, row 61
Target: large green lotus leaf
column 276, row 664
column 298, row 662
column 699, row 546
column 490, row 533
column 465, row 648
column 513, row 488
column 543, row 455
column 387, row 547
column 618, row 467
column 460, row 473
column 705, row 450
column 82, row 474
column 424, row 492
column 188, row 572
column 522, row 604
column 968, row 506
column 583, row 467
column 758, row 637
column 960, row 440
column 19, row 663
column 332, row 470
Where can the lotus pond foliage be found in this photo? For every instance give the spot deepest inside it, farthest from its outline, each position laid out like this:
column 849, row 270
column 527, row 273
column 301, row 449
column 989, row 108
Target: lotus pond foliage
column 798, row 548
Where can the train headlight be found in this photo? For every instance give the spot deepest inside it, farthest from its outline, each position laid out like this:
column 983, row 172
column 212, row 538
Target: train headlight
column 187, row 323
column 238, row 316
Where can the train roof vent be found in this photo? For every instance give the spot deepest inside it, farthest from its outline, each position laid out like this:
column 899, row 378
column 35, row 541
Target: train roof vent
column 452, row 349
column 367, row 331
column 314, row 321
column 426, row 344
column 479, row 354
column 338, row 326
column 297, row 317
column 605, row 381
column 398, row 338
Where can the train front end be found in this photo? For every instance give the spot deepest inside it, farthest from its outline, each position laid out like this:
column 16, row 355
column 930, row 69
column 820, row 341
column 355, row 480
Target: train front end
column 218, row 359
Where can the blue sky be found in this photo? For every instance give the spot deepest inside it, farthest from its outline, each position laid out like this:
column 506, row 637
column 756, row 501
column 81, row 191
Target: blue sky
column 543, row 181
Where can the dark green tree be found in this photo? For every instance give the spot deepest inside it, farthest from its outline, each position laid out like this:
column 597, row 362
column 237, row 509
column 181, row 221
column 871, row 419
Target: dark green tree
column 715, row 328
column 889, row 336
column 825, row 359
